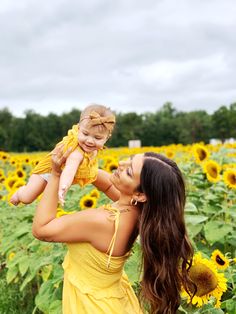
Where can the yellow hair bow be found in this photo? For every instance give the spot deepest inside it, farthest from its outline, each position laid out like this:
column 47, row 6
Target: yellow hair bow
column 96, row 119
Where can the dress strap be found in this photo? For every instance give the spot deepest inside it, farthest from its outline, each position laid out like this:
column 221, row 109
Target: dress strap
column 114, row 216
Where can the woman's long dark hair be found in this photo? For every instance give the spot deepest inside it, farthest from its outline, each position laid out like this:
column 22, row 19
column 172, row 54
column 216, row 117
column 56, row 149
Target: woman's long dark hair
column 167, row 252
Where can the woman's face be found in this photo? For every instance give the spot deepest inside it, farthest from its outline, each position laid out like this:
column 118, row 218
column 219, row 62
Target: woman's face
column 127, row 176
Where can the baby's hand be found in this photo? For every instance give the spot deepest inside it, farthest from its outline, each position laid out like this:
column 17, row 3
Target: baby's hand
column 61, row 194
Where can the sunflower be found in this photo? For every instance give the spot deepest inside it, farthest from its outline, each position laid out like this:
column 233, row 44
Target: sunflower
column 11, row 256
column 230, row 178
column 4, row 156
column 13, row 161
column 107, row 160
column 19, row 183
column 208, row 281
column 26, row 160
column 62, row 212
column 169, row 153
column 2, row 197
column 227, row 166
column 95, row 193
column 220, row 260
column 201, row 153
column 88, row 201
column 9, row 182
column 112, row 166
column 34, row 162
column 20, row 173
column 2, row 175
column 212, row 170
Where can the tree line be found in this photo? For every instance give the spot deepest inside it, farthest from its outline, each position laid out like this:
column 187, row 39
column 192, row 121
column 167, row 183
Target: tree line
column 167, row 125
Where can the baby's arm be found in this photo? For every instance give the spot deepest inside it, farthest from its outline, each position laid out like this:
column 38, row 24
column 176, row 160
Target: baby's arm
column 104, row 184
column 68, row 174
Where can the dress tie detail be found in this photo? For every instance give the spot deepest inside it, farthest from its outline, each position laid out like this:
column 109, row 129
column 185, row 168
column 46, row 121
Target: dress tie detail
column 114, row 216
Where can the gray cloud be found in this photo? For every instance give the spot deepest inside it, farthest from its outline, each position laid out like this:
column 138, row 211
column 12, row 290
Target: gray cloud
column 131, row 55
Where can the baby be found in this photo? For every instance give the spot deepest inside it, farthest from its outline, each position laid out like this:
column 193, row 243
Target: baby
column 84, row 140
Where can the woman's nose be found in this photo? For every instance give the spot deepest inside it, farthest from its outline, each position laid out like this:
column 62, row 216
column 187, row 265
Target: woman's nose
column 122, row 164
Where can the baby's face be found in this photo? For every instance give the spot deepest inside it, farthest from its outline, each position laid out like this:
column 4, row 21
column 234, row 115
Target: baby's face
column 91, row 138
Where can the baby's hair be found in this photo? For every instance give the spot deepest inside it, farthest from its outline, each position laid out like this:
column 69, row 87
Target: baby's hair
column 99, row 115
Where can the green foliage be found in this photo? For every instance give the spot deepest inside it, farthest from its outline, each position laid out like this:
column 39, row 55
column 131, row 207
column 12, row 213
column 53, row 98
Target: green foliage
column 35, row 132
column 27, row 259
column 10, row 298
column 32, row 270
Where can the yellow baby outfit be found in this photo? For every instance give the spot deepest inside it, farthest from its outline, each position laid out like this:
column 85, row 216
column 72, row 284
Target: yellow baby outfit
column 95, row 282
column 88, row 169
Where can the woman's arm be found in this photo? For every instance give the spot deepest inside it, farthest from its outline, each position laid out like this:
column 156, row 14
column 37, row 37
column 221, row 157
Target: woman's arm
column 78, row 227
column 104, row 184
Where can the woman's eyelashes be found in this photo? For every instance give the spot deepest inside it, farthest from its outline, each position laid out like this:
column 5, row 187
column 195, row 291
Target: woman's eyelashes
column 128, row 172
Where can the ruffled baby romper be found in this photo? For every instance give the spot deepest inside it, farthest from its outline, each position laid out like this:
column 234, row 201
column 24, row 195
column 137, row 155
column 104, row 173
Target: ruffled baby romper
column 88, row 169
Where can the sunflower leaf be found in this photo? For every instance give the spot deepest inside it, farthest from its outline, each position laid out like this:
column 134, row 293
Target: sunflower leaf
column 215, row 231
column 190, row 207
column 195, row 219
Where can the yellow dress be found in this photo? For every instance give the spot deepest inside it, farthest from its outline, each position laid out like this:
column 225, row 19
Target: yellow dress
column 88, row 169
column 95, row 282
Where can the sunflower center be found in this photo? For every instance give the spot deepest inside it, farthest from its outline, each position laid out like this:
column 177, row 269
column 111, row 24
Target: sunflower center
column 88, row 203
column 232, row 179
column 11, row 182
column 204, row 279
column 169, row 154
column 213, row 172
column 219, row 260
column 20, row 174
column 202, row 154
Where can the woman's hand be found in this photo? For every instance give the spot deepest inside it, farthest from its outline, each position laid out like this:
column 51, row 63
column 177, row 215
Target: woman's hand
column 58, row 159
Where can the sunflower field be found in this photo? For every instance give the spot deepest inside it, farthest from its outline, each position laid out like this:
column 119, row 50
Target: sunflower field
column 31, row 275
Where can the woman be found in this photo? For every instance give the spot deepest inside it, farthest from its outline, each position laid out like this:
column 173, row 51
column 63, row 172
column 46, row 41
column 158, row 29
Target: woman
column 151, row 203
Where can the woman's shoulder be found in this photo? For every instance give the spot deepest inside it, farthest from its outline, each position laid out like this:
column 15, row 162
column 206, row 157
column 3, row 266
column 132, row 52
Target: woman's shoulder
column 97, row 215
column 100, row 214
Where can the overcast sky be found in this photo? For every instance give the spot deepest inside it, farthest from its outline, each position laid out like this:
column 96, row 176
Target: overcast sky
column 132, row 55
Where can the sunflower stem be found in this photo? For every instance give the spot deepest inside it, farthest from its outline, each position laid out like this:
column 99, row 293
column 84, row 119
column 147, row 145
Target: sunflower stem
column 232, row 279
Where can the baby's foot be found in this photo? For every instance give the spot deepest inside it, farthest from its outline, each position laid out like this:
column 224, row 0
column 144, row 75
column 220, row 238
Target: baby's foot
column 15, row 199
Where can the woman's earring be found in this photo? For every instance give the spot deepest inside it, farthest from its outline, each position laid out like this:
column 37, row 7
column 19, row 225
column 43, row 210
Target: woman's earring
column 133, row 202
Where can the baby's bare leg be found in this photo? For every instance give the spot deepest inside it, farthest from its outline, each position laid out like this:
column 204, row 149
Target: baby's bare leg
column 28, row 193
